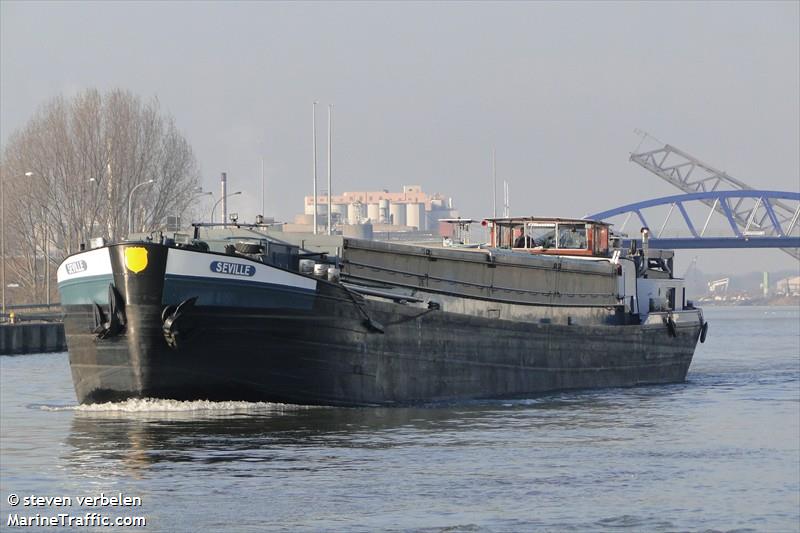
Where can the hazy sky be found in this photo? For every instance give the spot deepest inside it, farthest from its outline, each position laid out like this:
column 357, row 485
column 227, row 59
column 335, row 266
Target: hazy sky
column 423, row 90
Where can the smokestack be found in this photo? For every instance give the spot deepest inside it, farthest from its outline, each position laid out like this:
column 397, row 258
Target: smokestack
column 224, row 185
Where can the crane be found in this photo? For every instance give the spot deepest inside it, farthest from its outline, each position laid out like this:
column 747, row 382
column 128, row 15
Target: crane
column 691, row 175
column 719, row 285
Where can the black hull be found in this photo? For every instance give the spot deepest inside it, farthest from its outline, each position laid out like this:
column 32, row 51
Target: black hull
column 311, row 360
column 329, row 354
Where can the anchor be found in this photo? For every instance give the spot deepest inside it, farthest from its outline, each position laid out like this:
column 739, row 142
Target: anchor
column 114, row 325
column 176, row 325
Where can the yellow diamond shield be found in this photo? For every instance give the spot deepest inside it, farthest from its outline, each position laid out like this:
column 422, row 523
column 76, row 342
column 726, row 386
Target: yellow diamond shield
column 136, row 258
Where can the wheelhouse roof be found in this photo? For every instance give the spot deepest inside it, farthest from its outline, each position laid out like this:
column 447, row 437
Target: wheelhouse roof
column 459, row 220
column 522, row 220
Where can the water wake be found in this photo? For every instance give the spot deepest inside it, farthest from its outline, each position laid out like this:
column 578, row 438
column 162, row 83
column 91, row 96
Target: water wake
column 155, row 405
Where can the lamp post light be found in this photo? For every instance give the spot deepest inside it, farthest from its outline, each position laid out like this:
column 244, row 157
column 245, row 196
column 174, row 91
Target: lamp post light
column 130, row 196
column 198, row 191
column 218, row 201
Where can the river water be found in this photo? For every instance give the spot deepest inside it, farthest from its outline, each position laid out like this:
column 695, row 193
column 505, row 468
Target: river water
column 720, row 452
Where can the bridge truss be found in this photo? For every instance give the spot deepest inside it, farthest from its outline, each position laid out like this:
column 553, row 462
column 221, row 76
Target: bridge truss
column 765, row 226
column 777, row 220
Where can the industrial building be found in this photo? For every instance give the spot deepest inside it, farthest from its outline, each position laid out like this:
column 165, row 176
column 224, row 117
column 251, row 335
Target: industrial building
column 789, row 286
column 410, row 210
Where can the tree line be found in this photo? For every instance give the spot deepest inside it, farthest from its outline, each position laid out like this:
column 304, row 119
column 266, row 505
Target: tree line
column 69, row 173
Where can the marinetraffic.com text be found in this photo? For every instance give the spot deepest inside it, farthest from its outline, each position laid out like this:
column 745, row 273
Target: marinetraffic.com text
column 33, row 510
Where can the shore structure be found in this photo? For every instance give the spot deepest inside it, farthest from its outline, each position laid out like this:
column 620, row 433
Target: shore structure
column 409, row 210
column 32, row 337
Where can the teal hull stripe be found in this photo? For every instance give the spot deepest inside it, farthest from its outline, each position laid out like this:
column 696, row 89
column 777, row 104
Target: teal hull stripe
column 85, row 290
column 235, row 293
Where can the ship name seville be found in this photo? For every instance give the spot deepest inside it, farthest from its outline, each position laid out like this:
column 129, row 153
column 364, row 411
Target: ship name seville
column 245, row 313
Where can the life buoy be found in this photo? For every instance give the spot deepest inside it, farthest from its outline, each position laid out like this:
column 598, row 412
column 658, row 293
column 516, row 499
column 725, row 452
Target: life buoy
column 703, row 332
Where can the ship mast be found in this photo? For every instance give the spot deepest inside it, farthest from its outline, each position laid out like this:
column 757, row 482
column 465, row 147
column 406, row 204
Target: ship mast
column 494, row 184
column 330, row 191
column 314, row 148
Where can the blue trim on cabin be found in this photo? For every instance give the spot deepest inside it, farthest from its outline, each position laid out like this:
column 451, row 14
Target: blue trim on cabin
column 85, row 290
column 235, row 293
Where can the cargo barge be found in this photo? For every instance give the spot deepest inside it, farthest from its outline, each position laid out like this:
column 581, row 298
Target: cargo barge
column 547, row 304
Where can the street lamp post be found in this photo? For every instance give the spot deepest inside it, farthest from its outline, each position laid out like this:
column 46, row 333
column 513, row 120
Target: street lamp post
column 130, row 196
column 3, row 234
column 46, row 254
column 218, row 201
column 198, row 192
column 87, row 230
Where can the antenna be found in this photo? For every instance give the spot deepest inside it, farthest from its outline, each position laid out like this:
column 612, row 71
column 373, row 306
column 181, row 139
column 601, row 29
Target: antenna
column 494, row 184
column 506, row 206
column 262, row 185
column 223, row 179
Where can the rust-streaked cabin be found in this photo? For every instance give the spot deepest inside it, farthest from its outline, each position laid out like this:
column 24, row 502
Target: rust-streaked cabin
column 550, row 236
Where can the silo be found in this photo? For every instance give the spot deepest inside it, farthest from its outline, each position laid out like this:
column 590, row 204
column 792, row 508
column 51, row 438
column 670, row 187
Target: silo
column 383, row 211
column 355, row 212
column 373, row 212
column 398, row 214
column 415, row 215
column 352, row 214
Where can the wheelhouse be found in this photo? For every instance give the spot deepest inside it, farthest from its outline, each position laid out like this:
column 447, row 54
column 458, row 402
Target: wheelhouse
column 550, row 236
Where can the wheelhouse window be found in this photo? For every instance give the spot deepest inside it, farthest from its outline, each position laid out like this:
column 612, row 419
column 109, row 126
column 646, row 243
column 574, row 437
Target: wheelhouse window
column 551, row 236
column 540, row 234
column 504, row 236
column 601, row 240
column 572, row 236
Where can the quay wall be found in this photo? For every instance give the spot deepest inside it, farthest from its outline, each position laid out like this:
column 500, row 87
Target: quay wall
column 32, row 338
